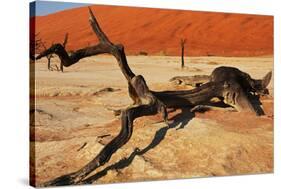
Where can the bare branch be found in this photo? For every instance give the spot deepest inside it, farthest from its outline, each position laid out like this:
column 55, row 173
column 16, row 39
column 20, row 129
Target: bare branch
column 65, row 40
column 96, row 28
column 105, row 46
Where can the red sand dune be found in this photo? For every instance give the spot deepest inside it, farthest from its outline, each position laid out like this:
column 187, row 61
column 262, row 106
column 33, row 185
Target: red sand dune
column 157, row 31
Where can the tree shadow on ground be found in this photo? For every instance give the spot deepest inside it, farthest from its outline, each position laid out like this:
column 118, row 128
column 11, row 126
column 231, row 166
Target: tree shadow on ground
column 180, row 120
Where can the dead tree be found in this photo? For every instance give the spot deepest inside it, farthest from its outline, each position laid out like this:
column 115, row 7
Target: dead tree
column 182, row 43
column 50, row 56
column 146, row 102
column 36, row 44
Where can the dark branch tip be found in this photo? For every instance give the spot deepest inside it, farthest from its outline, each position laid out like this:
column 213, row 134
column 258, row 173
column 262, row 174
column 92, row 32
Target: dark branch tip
column 91, row 13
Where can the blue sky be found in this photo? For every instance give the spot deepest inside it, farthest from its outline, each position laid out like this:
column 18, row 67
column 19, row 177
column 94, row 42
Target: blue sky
column 41, row 8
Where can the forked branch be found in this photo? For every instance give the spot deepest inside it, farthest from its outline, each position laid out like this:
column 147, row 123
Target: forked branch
column 148, row 103
column 104, row 46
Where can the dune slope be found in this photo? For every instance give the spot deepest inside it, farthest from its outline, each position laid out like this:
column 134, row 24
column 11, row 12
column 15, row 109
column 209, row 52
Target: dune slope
column 158, row 31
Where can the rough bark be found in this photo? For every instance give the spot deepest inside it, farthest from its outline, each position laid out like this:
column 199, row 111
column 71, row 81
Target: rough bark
column 194, row 81
column 224, row 73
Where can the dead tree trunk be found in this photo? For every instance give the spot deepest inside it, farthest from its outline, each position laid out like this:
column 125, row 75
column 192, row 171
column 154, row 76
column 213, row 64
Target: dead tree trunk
column 49, row 62
column 182, row 52
column 146, row 102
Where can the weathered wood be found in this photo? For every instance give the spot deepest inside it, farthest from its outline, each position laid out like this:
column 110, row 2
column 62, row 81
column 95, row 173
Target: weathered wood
column 244, row 79
column 146, row 102
column 224, row 73
column 149, row 104
column 194, row 81
column 230, row 91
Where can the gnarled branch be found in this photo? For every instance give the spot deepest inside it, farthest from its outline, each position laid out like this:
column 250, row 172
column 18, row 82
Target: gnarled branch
column 146, row 102
column 104, row 46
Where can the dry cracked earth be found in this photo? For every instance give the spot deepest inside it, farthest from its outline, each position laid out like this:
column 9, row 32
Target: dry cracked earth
column 74, row 120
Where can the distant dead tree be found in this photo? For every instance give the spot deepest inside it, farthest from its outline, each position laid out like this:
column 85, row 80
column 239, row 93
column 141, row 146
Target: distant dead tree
column 182, row 43
column 50, row 56
column 36, row 45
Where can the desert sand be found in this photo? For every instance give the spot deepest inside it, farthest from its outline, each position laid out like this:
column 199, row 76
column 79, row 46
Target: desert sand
column 158, row 31
column 74, row 121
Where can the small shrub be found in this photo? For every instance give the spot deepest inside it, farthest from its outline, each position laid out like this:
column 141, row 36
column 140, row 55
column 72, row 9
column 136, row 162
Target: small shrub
column 143, row 53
